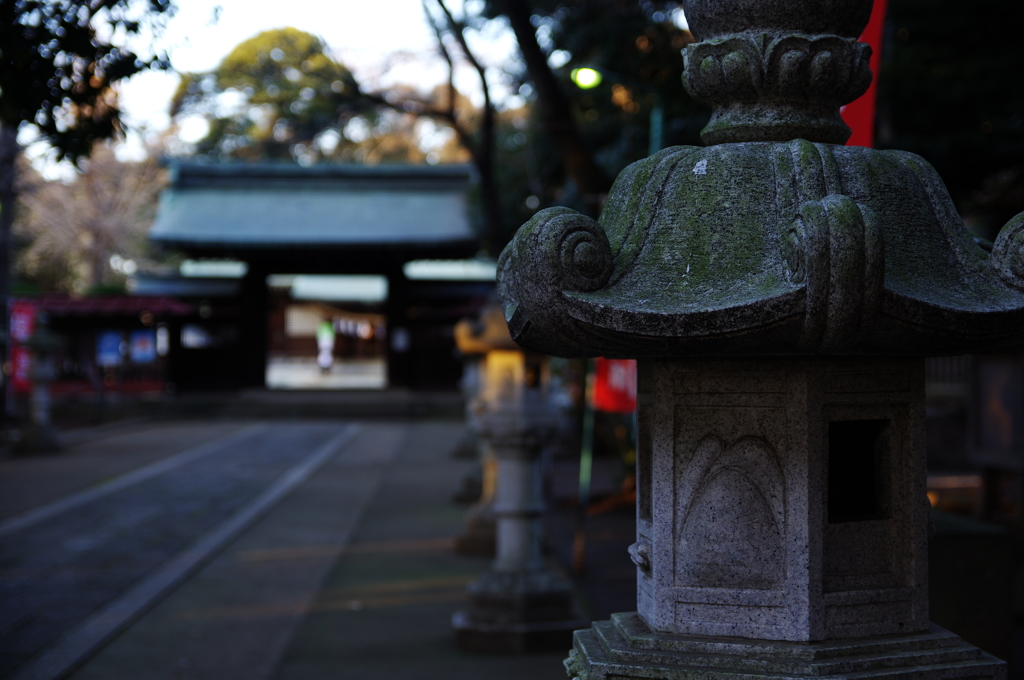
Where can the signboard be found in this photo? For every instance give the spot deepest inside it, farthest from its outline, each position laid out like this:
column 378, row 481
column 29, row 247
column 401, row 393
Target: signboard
column 23, row 326
column 142, row 346
column 108, row 348
column 615, row 385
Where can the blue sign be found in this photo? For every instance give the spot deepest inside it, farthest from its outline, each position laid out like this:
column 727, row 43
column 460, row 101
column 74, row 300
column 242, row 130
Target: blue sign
column 142, row 347
column 108, row 348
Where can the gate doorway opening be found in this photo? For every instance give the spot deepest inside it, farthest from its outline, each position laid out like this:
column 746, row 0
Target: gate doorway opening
column 327, row 332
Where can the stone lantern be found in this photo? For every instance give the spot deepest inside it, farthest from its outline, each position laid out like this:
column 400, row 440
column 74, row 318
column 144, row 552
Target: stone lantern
column 780, row 292
column 497, row 368
column 40, row 436
column 519, row 604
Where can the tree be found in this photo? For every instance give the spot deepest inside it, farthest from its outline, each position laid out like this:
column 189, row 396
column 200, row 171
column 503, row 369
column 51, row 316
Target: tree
column 280, row 96
column 478, row 136
column 57, row 70
column 558, row 119
column 597, row 132
column 585, row 138
column 89, row 233
column 950, row 90
column 292, row 100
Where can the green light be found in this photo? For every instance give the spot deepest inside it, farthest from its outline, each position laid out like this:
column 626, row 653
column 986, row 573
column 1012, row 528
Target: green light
column 586, row 78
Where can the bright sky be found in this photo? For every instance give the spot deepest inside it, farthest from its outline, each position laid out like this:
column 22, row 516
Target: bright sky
column 383, row 42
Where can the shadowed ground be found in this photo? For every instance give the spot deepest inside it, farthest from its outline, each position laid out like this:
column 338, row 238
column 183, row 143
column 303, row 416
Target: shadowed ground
column 347, row 573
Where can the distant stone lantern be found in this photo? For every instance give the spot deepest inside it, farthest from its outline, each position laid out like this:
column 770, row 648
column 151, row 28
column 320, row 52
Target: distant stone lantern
column 780, row 292
column 519, row 604
column 495, row 365
column 40, row 435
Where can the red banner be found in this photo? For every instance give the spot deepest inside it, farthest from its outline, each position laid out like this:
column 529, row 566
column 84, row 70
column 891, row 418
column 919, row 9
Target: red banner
column 615, row 385
column 860, row 113
column 23, row 325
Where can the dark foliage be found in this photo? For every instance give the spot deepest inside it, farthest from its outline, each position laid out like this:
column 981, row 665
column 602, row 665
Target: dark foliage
column 56, row 69
column 288, row 78
column 580, row 139
column 951, row 90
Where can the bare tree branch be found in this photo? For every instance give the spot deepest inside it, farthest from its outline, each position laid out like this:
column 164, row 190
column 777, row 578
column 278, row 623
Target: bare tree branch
column 482, row 147
column 555, row 106
column 74, row 228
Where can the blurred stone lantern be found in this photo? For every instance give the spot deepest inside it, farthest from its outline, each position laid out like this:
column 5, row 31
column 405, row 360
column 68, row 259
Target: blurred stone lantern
column 40, row 436
column 996, row 417
column 780, row 292
column 519, row 604
column 995, row 430
column 496, row 365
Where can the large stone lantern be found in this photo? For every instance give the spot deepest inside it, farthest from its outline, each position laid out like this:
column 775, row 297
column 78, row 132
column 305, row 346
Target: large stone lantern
column 780, row 292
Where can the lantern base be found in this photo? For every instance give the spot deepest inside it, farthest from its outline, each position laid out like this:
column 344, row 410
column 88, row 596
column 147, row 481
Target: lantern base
column 626, row 647
column 515, row 612
column 512, row 638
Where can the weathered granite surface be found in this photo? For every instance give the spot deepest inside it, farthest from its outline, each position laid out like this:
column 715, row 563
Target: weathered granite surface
column 743, row 526
column 789, row 248
column 779, row 291
column 774, row 240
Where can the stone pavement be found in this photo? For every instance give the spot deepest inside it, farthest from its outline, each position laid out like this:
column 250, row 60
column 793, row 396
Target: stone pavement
column 303, row 373
column 261, row 403
column 264, row 549
column 240, row 549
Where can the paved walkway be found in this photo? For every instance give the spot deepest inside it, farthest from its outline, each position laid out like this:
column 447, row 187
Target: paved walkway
column 365, row 404
column 233, row 549
column 303, row 373
column 282, row 549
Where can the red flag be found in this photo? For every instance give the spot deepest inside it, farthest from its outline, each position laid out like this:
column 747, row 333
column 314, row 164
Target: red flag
column 860, row 113
column 615, row 385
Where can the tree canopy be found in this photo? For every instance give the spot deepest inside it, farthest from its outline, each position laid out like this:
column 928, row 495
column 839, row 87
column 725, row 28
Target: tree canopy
column 585, row 137
column 950, row 90
column 57, row 66
column 277, row 95
column 82, row 235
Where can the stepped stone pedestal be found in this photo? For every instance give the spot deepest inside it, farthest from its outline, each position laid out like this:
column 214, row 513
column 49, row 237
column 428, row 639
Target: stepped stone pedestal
column 626, row 647
column 779, row 291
